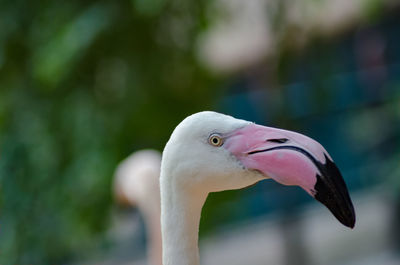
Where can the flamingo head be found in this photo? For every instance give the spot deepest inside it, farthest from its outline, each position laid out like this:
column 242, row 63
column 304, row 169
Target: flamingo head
column 210, row 152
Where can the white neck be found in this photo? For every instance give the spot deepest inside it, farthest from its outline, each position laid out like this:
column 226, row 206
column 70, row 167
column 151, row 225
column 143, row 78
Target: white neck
column 180, row 218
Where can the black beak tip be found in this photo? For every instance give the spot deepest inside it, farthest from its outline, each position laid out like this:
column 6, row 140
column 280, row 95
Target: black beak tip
column 331, row 191
column 352, row 223
column 350, row 220
column 343, row 210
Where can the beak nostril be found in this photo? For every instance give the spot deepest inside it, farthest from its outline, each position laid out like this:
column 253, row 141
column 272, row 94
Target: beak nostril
column 279, row 140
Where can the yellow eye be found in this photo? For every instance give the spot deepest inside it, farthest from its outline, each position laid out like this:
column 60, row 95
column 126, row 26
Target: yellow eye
column 215, row 140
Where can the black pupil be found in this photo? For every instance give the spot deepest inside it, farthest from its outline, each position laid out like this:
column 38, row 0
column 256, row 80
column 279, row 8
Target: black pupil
column 215, row 140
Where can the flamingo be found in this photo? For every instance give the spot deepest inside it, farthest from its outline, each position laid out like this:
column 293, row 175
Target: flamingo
column 136, row 183
column 210, row 152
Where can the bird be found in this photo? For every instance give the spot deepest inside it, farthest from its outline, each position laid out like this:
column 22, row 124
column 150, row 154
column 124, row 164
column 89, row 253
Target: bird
column 136, row 183
column 211, row 152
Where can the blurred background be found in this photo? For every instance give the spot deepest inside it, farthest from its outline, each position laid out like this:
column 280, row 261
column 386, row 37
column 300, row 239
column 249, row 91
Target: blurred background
column 83, row 84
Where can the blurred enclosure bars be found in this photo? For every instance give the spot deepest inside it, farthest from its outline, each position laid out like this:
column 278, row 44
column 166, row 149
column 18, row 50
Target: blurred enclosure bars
column 85, row 83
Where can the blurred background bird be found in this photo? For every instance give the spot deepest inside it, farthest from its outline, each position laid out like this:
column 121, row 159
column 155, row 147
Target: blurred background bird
column 136, row 183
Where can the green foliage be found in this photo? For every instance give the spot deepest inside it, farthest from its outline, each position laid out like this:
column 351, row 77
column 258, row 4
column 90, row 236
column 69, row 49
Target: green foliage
column 83, row 84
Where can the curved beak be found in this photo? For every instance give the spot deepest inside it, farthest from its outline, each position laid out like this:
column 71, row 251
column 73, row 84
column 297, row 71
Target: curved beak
column 293, row 159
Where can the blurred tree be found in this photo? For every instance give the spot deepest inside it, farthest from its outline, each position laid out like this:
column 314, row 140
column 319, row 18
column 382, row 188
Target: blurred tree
column 82, row 84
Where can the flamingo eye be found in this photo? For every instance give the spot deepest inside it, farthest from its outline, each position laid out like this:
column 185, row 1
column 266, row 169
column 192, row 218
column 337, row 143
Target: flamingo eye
column 215, row 140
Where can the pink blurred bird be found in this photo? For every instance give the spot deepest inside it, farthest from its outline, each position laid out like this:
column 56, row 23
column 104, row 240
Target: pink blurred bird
column 136, row 183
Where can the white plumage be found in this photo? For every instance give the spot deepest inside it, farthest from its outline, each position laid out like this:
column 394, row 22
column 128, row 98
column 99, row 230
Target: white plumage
column 243, row 154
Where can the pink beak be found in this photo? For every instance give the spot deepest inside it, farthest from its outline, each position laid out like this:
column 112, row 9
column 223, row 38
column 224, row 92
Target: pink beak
column 293, row 159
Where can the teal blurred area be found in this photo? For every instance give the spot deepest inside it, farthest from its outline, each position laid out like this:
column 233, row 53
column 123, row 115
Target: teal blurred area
column 85, row 83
